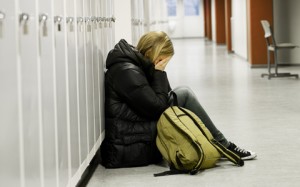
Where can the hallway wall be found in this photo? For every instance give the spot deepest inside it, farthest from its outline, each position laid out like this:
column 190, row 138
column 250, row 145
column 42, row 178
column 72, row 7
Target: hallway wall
column 286, row 29
column 52, row 57
column 238, row 23
column 239, row 28
column 213, row 20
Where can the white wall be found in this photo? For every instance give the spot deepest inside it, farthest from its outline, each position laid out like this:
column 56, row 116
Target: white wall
column 287, row 28
column 239, row 28
column 213, row 20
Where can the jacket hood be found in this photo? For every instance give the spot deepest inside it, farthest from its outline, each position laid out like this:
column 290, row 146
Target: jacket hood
column 124, row 52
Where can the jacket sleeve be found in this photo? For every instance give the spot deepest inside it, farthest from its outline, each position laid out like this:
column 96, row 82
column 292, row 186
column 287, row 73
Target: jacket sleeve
column 148, row 99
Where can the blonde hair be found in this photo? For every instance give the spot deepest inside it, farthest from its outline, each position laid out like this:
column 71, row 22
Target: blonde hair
column 154, row 44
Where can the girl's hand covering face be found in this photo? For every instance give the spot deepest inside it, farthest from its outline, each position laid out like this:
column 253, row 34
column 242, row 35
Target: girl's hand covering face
column 161, row 62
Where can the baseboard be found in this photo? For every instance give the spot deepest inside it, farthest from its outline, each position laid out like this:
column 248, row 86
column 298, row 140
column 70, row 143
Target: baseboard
column 89, row 171
column 90, row 165
column 266, row 65
column 288, row 64
column 258, row 65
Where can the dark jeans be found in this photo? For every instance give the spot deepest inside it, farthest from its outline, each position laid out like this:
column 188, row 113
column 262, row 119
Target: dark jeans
column 187, row 99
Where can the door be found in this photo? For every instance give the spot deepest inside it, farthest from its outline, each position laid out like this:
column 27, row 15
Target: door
column 186, row 18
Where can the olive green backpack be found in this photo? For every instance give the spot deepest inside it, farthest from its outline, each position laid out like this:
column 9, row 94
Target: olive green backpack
column 186, row 144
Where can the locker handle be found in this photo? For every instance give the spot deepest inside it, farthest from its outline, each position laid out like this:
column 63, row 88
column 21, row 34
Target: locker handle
column 70, row 21
column 24, row 17
column 43, row 18
column 87, row 21
column 79, row 23
column 58, row 20
column 2, row 15
column 94, row 21
column 106, row 20
column 79, row 19
column 100, row 20
column 111, row 19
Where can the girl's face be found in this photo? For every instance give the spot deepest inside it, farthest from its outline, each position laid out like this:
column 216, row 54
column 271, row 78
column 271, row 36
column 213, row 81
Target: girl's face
column 161, row 58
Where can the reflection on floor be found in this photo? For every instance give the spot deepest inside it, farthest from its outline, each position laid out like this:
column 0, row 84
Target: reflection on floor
column 256, row 113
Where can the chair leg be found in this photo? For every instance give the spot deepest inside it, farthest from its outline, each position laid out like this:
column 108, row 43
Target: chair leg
column 269, row 74
column 276, row 74
column 269, row 62
column 282, row 74
column 276, row 61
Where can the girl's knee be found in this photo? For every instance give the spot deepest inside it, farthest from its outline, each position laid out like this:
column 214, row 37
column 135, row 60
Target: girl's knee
column 184, row 93
column 183, row 90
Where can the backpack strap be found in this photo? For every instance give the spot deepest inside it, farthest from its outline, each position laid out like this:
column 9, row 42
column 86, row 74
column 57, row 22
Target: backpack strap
column 172, row 98
column 234, row 158
column 174, row 171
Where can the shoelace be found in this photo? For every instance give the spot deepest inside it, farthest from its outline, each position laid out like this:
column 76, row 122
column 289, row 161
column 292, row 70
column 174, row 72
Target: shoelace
column 240, row 150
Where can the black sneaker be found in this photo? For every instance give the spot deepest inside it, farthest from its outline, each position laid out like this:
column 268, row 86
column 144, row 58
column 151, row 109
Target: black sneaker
column 244, row 154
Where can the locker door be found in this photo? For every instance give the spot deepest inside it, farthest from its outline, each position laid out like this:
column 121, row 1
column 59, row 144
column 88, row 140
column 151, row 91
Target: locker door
column 137, row 20
column 101, row 65
column 104, row 28
column 89, row 74
column 72, row 77
column 110, row 15
column 61, row 90
column 95, row 42
column 81, row 81
column 48, row 95
column 9, row 113
column 102, row 56
column 30, row 91
column 141, row 17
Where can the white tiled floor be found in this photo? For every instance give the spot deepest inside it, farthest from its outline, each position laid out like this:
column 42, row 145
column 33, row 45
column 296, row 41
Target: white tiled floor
column 256, row 113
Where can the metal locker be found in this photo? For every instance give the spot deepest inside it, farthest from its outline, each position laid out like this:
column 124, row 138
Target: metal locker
column 96, row 72
column 48, row 94
column 72, row 85
column 104, row 10
column 102, row 59
column 137, row 20
column 111, row 20
column 141, row 19
column 89, row 74
column 10, row 124
column 52, row 63
column 62, row 107
column 30, row 77
column 81, row 82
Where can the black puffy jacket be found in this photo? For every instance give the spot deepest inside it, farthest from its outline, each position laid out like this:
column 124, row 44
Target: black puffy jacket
column 135, row 96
